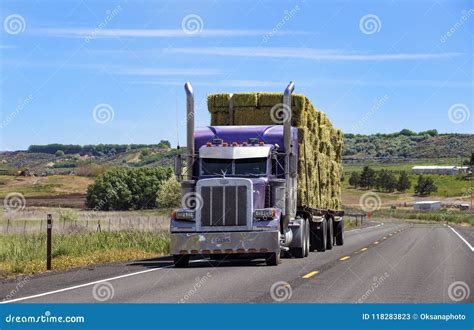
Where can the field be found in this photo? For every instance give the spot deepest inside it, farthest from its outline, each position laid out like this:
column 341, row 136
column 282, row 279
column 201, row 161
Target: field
column 451, row 189
column 54, row 185
column 26, row 253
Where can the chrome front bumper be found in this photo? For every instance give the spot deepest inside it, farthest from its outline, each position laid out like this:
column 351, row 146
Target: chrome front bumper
column 225, row 242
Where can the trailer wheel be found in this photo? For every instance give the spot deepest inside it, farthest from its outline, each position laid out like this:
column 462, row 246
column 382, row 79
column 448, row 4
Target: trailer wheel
column 339, row 232
column 180, row 261
column 272, row 259
column 320, row 236
column 307, row 239
column 330, row 234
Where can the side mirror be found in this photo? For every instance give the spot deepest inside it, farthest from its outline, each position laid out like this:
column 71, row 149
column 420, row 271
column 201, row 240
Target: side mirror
column 178, row 167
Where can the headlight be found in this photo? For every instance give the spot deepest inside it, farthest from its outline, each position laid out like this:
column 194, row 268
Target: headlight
column 183, row 214
column 264, row 214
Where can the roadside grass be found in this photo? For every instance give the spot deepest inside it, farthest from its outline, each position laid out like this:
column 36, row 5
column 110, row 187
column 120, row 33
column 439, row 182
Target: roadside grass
column 446, row 216
column 26, row 254
column 44, row 186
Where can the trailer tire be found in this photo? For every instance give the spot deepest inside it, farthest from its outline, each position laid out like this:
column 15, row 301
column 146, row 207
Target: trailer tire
column 339, row 232
column 320, row 237
column 307, row 238
column 180, row 261
column 273, row 258
column 330, row 234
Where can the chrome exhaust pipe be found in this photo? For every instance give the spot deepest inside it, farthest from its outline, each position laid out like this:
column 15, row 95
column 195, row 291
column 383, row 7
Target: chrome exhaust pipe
column 189, row 128
column 288, row 148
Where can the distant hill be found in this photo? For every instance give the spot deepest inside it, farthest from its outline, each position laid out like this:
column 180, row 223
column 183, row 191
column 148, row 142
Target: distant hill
column 408, row 144
column 93, row 159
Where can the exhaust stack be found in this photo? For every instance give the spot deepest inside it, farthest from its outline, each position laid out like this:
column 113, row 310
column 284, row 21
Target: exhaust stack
column 288, row 148
column 189, row 128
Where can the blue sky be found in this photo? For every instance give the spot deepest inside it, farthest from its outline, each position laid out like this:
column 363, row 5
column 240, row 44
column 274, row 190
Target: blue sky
column 88, row 72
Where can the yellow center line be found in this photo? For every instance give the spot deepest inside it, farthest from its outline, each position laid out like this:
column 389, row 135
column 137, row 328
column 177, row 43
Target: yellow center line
column 376, row 242
column 344, row 258
column 310, row 274
column 363, row 249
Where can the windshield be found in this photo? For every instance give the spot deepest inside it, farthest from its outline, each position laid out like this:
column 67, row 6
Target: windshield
column 251, row 166
column 216, row 166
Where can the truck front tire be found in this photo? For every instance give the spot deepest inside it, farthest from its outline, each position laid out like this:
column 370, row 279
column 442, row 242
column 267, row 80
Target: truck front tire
column 339, row 232
column 272, row 259
column 181, row 261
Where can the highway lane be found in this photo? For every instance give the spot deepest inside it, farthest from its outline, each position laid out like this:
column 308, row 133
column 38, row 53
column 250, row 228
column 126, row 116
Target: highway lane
column 393, row 262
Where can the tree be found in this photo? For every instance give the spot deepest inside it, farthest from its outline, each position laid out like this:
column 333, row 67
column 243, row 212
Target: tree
column 425, row 186
column 125, row 189
column 354, row 180
column 367, row 178
column 59, row 153
column 406, row 132
column 385, row 180
column 169, row 194
column 403, row 183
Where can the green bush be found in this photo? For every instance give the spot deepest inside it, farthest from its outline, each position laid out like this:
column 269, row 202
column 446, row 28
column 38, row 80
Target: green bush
column 169, row 195
column 125, row 189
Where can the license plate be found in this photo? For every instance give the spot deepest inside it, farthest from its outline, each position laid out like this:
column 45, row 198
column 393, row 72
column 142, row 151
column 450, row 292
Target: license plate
column 221, row 240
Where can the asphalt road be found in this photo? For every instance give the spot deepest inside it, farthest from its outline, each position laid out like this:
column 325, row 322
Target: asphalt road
column 387, row 262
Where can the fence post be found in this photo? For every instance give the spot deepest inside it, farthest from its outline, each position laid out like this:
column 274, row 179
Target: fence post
column 49, row 228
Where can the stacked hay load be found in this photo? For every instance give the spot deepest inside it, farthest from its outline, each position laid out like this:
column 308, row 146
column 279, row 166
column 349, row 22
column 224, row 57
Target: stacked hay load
column 320, row 144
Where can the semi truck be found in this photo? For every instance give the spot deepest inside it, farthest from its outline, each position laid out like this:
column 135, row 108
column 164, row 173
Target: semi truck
column 239, row 195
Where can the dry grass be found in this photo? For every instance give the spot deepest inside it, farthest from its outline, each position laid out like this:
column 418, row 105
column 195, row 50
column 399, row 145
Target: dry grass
column 44, row 186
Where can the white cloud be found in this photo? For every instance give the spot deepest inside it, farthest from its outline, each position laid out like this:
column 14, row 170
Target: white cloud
column 166, row 72
column 153, row 33
column 306, row 53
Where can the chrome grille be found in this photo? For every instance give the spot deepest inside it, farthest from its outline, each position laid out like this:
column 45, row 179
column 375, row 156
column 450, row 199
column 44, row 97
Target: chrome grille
column 224, row 206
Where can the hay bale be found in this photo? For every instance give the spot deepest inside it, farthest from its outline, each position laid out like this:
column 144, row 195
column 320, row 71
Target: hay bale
column 320, row 167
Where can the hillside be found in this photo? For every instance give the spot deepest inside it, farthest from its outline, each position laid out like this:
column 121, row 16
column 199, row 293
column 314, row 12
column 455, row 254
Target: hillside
column 410, row 145
column 90, row 160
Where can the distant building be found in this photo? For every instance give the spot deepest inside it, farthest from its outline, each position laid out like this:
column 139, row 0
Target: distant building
column 427, row 205
column 443, row 170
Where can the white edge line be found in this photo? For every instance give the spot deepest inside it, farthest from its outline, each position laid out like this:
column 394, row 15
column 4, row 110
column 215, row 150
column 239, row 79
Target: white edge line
column 463, row 239
column 380, row 224
column 85, row 284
